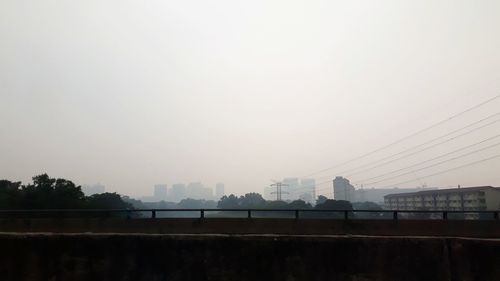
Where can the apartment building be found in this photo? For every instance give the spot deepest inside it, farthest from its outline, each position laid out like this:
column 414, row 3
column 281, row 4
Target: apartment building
column 454, row 199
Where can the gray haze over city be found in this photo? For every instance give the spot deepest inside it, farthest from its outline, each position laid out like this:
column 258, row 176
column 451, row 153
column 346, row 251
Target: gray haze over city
column 131, row 94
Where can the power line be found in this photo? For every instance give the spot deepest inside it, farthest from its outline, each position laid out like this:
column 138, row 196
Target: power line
column 405, row 138
column 436, row 164
column 462, row 166
column 327, row 188
column 432, row 159
column 418, row 132
column 354, row 172
column 413, row 153
column 452, row 169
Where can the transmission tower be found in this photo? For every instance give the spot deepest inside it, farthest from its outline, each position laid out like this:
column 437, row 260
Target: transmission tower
column 278, row 191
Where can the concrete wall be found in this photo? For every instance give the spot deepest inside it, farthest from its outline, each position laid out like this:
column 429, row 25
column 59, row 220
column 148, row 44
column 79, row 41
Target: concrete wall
column 460, row 228
column 78, row 257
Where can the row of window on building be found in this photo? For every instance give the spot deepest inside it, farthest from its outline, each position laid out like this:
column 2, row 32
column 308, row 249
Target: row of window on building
column 453, row 199
column 422, row 198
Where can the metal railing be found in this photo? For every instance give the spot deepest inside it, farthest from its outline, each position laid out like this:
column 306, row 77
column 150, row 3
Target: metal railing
column 253, row 213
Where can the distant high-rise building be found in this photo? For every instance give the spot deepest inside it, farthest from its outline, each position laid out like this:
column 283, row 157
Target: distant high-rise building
column 89, row 190
column 196, row 190
column 291, row 189
column 219, row 190
column 295, row 189
column 177, row 192
column 342, row 189
column 306, row 197
column 160, row 192
column 308, row 190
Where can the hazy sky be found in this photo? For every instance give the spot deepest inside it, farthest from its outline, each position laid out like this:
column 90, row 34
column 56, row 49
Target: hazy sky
column 133, row 93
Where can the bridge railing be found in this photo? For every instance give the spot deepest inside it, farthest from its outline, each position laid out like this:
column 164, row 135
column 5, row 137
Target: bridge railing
column 253, row 214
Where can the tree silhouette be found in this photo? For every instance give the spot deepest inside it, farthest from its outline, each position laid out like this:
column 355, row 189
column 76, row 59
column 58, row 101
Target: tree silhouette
column 228, row 202
column 321, row 199
column 252, row 200
column 50, row 193
column 107, row 201
column 277, row 205
column 190, row 203
column 334, row 205
column 10, row 195
column 299, row 204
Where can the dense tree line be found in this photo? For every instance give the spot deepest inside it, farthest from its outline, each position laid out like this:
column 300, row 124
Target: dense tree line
column 50, row 193
column 256, row 201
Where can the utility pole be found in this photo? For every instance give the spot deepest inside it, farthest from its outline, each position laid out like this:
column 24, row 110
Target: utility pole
column 278, row 191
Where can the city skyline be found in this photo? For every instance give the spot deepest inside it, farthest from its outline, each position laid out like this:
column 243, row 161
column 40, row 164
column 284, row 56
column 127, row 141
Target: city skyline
column 244, row 92
column 179, row 191
column 250, row 140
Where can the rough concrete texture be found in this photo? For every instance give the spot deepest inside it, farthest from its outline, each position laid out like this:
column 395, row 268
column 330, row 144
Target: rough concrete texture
column 62, row 257
column 471, row 228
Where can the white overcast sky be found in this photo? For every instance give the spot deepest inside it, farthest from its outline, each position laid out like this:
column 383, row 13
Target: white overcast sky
column 134, row 93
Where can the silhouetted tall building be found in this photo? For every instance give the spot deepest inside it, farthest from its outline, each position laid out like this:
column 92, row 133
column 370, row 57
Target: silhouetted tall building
column 160, row 192
column 295, row 189
column 177, row 192
column 196, row 190
column 308, row 190
column 342, row 189
column 291, row 189
column 219, row 190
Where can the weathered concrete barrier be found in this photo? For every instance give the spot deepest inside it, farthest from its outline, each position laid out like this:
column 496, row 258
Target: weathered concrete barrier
column 62, row 257
column 477, row 228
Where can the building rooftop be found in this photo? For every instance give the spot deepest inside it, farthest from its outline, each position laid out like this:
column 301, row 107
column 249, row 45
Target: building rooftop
column 447, row 190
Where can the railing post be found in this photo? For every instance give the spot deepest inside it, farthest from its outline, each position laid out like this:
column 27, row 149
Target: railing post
column 249, row 214
column 296, row 214
column 445, row 215
column 153, row 214
column 202, row 214
column 346, row 215
column 495, row 215
column 395, row 215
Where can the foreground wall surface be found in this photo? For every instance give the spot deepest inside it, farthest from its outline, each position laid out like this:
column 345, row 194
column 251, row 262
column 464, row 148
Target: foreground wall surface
column 245, row 257
column 455, row 228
